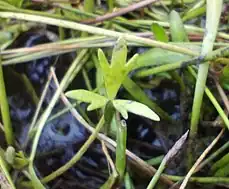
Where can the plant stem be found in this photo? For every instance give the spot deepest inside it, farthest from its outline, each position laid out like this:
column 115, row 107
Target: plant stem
column 110, row 4
column 121, row 11
column 156, row 160
column 157, row 175
column 214, row 8
column 209, row 180
column 32, row 12
column 198, row 161
column 128, row 181
column 5, row 110
column 3, row 170
column 46, row 114
column 212, row 156
column 88, row 7
column 181, row 64
column 95, row 30
column 171, row 153
column 121, row 138
column 213, row 101
column 194, row 13
column 189, row 28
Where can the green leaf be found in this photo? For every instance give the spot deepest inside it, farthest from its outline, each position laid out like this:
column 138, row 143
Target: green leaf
column 124, row 106
column 115, row 73
column 16, row 3
column 222, row 172
column 95, row 100
column 122, row 110
column 121, row 137
column 109, row 112
column 138, row 94
column 119, row 54
column 20, row 160
column 5, row 36
column 10, row 155
column 220, row 163
column 157, row 56
column 103, row 61
column 177, row 29
column 159, row 33
column 224, row 77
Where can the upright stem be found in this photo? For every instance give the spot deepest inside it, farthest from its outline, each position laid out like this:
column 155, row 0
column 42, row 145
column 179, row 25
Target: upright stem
column 5, row 110
column 88, row 7
column 197, row 102
column 214, row 8
column 35, row 181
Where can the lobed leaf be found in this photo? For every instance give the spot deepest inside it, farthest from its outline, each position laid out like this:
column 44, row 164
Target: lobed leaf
column 124, row 106
column 115, row 73
column 95, row 100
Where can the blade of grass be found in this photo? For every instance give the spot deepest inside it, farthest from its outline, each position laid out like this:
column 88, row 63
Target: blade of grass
column 113, row 177
column 213, row 101
column 121, row 11
column 206, row 180
column 181, row 64
column 212, row 156
column 128, row 181
column 194, row 13
column 200, row 159
column 89, row 6
column 5, row 110
column 95, row 30
column 214, row 8
column 36, row 114
column 46, row 114
column 139, row 95
column 155, row 160
column 172, row 152
column 80, row 153
column 189, row 28
column 110, row 182
column 7, row 7
column 121, row 148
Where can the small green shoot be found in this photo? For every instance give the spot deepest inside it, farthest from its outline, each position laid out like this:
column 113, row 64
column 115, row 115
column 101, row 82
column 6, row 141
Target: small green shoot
column 114, row 74
column 121, row 137
column 224, row 77
column 16, row 159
